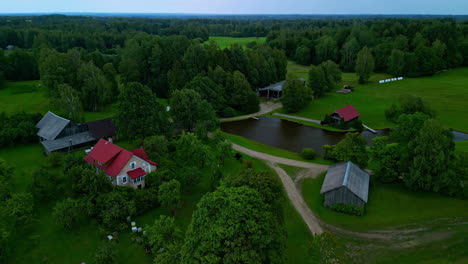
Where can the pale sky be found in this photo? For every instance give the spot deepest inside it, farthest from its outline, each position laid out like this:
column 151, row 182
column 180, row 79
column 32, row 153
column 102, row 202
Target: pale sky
column 453, row 7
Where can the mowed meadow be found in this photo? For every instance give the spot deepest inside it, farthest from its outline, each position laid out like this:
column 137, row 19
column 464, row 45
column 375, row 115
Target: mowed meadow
column 446, row 92
column 225, row 42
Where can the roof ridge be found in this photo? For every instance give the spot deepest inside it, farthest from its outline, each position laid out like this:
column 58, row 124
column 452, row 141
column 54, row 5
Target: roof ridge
column 345, row 180
column 59, row 116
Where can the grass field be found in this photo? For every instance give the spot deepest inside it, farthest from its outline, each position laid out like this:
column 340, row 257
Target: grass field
column 389, row 206
column 257, row 146
column 462, row 146
column 447, row 93
column 226, row 42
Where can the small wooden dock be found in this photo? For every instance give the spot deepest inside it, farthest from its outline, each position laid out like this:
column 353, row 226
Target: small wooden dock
column 370, row 129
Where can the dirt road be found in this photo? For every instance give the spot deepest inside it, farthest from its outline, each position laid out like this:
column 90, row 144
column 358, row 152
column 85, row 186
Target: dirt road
column 265, row 108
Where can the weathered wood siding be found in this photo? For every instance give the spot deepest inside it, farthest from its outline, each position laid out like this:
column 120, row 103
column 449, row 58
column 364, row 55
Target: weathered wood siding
column 344, row 196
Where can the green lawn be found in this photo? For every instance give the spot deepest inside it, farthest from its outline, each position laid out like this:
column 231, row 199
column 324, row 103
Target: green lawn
column 389, row 206
column 23, row 96
column 447, row 93
column 292, row 171
column 462, row 146
column 257, row 146
column 226, row 42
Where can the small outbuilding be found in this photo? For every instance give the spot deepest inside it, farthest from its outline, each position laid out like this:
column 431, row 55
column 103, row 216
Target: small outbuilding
column 346, row 114
column 275, row 90
column 347, row 184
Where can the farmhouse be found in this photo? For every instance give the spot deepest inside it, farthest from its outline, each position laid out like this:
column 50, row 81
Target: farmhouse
column 274, row 90
column 345, row 183
column 58, row 134
column 124, row 168
column 346, row 114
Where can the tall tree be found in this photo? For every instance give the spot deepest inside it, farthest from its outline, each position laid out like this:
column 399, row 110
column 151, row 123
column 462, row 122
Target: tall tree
column 364, row 65
column 95, row 89
column 296, row 95
column 332, row 74
column 396, row 63
column 348, row 55
column 317, row 82
column 351, row 148
column 139, row 114
column 169, row 195
column 326, row 49
column 234, row 225
column 189, row 111
column 69, row 103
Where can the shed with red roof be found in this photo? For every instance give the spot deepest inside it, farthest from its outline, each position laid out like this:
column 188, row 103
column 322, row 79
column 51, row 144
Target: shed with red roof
column 345, row 114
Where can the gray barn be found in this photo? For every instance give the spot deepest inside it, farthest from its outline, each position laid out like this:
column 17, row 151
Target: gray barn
column 345, row 183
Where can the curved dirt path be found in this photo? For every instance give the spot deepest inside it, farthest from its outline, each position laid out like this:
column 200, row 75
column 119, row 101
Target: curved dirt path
column 293, row 193
column 298, row 202
column 275, row 159
column 265, row 108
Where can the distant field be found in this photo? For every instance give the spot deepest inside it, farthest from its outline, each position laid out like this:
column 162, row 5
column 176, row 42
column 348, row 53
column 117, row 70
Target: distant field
column 462, row 146
column 225, row 42
column 447, row 93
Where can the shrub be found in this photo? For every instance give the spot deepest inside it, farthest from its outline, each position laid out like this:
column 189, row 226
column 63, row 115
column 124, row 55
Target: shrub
column 55, row 159
column 357, row 124
column 348, row 209
column 247, row 163
column 328, row 152
column 308, row 154
column 228, row 112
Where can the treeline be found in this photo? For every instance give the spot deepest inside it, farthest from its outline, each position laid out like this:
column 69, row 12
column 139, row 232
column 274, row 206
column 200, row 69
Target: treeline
column 399, row 46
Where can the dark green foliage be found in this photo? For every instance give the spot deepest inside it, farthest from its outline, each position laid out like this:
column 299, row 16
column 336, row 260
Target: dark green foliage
column 20, row 207
column 348, row 209
column 239, row 93
column 139, row 114
column 68, row 213
column 69, row 103
column 317, row 82
column 430, row 158
column 233, row 225
column 106, row 254
column 308, row 153
column 328, row 152
column 208, row 91
column 348, row 55
column 386, row 160
column 86, row 182
column 351, row 148
column 6, row 182
column 55, row 159
column 18, row 128
column 408, row 127
column 409, row 104
column 296, row 95
column 112, row 209
column 364, row 65
column 228, row 112
column 156, row 146
column 326, row 49
column 22, row 66
column 189, row 110
column 396, row 63
column 192, row 151
column 162, row 234
column 332, row 74
column 45, row 184
column 169, row 195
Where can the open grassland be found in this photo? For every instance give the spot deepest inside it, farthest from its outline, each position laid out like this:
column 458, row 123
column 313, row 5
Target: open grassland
column 43, row 241
column 389, row 205
column 462, row 146
column 226, row 42
column 446, row 92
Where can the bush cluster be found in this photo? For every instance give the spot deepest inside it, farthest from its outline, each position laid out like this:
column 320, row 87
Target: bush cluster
column 348, row 209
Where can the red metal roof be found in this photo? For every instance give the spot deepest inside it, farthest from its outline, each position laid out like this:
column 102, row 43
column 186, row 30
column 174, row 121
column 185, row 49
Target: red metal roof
column 112, row 157
column 348, row 112
column 136, row 173
column 142, row 154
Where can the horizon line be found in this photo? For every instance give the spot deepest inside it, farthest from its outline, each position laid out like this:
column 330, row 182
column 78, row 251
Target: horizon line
column 232, row 14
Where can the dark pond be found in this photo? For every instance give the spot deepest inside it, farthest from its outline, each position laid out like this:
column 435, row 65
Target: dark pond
column 292, row 136
column 289, row 135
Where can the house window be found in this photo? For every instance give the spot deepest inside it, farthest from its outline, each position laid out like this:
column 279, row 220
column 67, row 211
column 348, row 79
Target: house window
column 124, row 179
column 142, row 178
column 138, row 179
column 133, row 165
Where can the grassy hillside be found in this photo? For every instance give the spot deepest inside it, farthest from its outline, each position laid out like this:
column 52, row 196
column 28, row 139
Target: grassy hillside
column 447, row 93
column 225, row 42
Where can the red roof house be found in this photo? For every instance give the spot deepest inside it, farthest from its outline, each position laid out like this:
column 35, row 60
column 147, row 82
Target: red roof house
column 126, row 168
column 347, row 113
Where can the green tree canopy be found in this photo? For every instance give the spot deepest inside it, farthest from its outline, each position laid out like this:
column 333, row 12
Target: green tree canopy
column 351, row 148
column 364, row 65
column 233, row 225
column 169, row 195
column 317, row 81
column 139, row 114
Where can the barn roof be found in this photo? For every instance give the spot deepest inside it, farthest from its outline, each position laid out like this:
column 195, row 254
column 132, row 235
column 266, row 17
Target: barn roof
column 348, row 112
column 51, row 125
column 277, row 86
column 348, row 175
column 69, row 141
column 103, row 128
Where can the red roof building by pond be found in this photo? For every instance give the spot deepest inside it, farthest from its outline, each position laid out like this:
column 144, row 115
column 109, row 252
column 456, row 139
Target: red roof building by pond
column 347, row 113
column 124, row 168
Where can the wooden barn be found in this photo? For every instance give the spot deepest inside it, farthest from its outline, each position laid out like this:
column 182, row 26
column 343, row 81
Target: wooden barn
column 345, row 183
column 345, row 114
